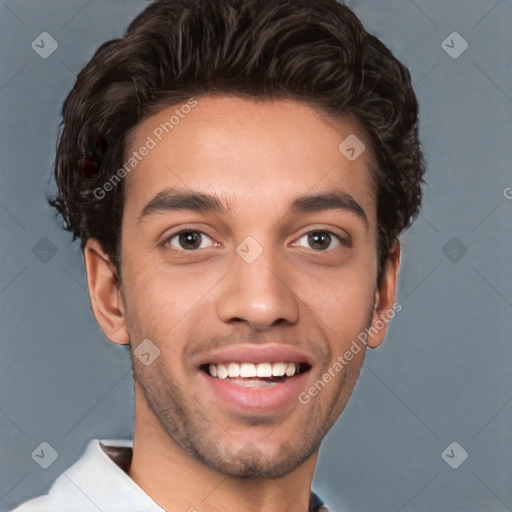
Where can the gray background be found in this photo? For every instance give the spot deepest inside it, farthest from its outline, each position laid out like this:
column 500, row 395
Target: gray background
column 443, row 374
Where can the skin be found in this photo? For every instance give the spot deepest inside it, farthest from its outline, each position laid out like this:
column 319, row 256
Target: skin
column 190, row 448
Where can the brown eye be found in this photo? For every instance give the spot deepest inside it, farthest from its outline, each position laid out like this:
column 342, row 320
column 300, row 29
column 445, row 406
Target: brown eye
column 188, row 240
column 322, row 240
column 319, row 240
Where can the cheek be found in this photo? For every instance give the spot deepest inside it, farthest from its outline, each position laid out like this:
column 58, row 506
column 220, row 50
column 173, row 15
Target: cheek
column 160, row 296
column 342, row 297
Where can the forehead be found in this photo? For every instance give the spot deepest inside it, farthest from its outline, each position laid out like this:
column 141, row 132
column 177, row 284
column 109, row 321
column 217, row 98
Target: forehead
column 252, row 152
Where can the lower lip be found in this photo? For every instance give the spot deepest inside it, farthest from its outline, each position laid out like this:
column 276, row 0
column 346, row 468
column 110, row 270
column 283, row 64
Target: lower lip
column 265, row 399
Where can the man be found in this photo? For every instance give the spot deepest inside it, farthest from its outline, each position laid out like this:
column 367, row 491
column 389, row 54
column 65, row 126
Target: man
column 238, row 173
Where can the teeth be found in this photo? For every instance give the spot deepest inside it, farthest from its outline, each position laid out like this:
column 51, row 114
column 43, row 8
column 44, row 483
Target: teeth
column 234, row 370
column 247, row 370
column 254, row 383
column 278, row 369
column 290, row 369
column 251, row 370
column 264, row 370
column 222, row 373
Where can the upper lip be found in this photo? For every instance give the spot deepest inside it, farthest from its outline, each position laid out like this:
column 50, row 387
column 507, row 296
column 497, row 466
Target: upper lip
column 257, row 354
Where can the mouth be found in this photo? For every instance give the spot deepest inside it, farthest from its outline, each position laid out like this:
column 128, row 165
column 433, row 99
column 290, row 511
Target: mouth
column 255, row 379
column 255, row 375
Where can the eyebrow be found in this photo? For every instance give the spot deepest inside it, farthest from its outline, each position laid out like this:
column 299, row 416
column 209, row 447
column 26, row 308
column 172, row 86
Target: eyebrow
column 329, row 201
column 174, row 200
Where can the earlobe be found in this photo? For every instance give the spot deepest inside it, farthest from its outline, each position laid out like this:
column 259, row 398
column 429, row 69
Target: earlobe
column 385, row 297
column 104, row 293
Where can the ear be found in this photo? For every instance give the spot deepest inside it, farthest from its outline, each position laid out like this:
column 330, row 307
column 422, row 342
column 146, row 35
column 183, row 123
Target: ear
column 104, row 293
column 385, row 296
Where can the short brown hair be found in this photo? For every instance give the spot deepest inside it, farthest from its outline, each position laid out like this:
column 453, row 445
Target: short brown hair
column 316, row 51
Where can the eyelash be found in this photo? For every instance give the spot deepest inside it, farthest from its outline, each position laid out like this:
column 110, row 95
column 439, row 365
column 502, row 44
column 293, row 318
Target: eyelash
column 167, row 240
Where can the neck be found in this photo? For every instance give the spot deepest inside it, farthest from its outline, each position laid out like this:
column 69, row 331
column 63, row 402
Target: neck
column 177, row 481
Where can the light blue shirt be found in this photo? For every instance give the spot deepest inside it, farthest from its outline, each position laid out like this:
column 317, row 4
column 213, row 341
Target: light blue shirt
column 98, row 482
column 95, row 483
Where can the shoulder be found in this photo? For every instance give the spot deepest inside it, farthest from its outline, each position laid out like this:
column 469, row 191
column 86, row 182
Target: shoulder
column 63, row 496
column 97, row 481
column 79, row 486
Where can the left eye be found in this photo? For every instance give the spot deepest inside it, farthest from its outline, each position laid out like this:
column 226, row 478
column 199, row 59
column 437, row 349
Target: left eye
column 188, row 240
column 321, row 240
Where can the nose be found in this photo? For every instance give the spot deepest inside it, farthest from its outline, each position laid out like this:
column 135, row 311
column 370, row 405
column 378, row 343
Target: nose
column 257, row 293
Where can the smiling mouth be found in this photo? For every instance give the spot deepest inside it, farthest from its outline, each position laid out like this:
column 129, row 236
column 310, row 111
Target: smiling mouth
column 255, row 375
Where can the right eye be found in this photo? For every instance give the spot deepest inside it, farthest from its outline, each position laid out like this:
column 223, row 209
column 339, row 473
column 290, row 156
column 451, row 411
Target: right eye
column 188, row 240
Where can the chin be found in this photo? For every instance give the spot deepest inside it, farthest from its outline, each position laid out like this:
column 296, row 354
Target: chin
column 261, row 458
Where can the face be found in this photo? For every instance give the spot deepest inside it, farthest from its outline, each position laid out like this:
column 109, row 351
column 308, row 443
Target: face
column 249, row 249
